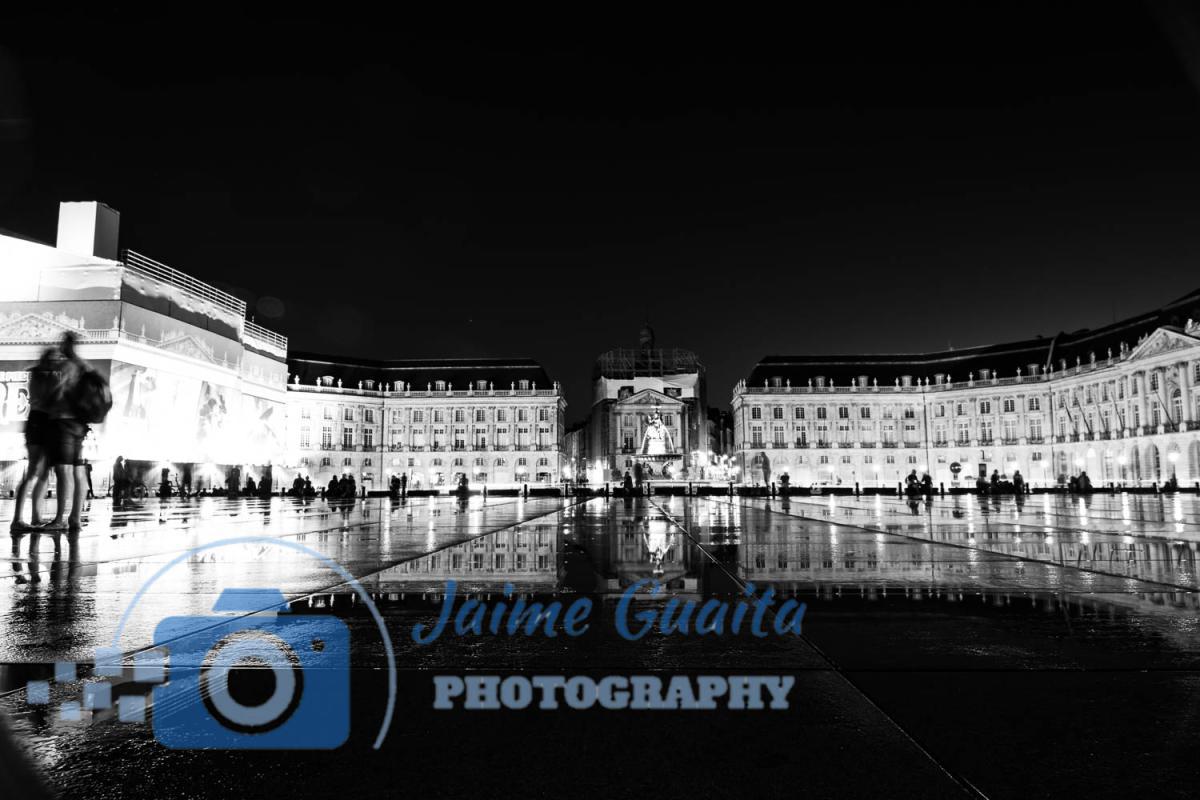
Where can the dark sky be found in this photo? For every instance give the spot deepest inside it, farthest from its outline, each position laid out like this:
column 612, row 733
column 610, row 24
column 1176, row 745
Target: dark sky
column 873, row 182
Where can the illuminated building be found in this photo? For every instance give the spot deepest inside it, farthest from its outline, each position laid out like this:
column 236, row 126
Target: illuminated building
column 634, row 387
column 197, row 389
column 499, row 421
column 1121, row 403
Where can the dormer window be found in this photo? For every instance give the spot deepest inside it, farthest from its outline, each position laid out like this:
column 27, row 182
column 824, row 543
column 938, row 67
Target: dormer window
column 820, row 381
column 481, row 386
column 327, row 380
column 369, row 384
column 523, row 385
column 906, row 380
column 777, row 381
column 439, row 386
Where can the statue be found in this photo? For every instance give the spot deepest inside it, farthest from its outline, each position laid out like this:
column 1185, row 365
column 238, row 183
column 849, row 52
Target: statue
column 657, row 438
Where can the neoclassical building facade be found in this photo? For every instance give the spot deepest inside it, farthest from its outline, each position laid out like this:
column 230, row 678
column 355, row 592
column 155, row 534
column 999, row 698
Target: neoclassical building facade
column 1121, row 403
column 498, row 421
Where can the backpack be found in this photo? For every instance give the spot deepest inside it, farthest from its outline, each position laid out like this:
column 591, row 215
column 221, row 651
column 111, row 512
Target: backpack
column 90, row 398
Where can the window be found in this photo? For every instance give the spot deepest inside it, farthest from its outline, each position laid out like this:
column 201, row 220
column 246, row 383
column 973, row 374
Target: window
column 1010, row 405
column 756, row 412
column 960, row 408
column 439, row 415
column 777, row 412
column 347, row 462
column 347, row 437
column 328, row 412
column 845, row 459
column 522, row 415
column 756, row 436
column 305, row 438
column 369, row 415
column 1154, row 381
column 439, row 386
column 843, row 412
column 669, row 419
column 865, row 412
column 501, row 415
column 326, row 437
column 348, row 414
column 368, row 437
column 939, row 410
column 963, row 432
column 480, row 415
column 985, row 430
column 543, row 415
column 459, row 415
column 822, row 412
column 418, row 416
column 523, row 385
column 910, row 413
column 1009, row 427
column 985, row 406
column 778, row 436
column 305, row 412
column 1035, row 404
column 326, row 462
column 1035, row 428
column 798, row 412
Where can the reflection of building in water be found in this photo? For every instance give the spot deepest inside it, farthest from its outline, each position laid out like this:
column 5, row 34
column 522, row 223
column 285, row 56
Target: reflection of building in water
column 526, row 557
column 1121, row 402
column 496, row 420
column 196, row 387
column 630, row 387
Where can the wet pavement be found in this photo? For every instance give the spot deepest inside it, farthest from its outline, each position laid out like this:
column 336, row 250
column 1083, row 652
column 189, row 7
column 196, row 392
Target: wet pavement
column 961, row 648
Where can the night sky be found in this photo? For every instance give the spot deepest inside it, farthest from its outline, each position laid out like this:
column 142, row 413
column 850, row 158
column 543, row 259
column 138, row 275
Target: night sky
column 873, row 182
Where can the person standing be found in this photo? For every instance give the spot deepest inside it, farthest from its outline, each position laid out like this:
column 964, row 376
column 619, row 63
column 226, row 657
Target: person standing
column 120, row 482
column 43, row 384
column 82, row 399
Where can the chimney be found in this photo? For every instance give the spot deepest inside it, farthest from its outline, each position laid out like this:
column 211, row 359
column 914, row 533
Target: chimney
column 88, row 228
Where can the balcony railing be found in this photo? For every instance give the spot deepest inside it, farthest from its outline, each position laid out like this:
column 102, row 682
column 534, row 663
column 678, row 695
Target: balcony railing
column 155, row 270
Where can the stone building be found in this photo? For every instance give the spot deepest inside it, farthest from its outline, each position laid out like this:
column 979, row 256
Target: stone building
column 498, row 421
column 1120, row 403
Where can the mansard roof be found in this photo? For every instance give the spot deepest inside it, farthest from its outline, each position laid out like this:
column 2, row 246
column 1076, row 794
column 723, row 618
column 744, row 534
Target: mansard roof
column 1001, row 359
column 418, row 371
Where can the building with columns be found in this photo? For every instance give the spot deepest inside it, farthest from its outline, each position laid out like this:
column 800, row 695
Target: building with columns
column 198, row 390
column 499, row 421
column 1121, row 403
column 632, row 385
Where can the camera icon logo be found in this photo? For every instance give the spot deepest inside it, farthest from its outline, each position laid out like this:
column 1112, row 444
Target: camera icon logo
column 271, row 680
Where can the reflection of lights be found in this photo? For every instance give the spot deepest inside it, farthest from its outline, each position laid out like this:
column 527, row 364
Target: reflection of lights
column 876, row 467
column 1172, row 457
column 1079, row 462
column 1122, row 459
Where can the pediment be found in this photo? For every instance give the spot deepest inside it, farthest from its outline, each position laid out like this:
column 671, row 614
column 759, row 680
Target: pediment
column 650, row 397
column 27, row 327
column 1161, row 341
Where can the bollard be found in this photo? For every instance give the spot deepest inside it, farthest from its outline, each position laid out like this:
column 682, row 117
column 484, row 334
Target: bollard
column 856, row 489
column 485, row 492
column 690, row 488
column 772, row 488
column 942, row 488
column 731, row 488
column 525, row 491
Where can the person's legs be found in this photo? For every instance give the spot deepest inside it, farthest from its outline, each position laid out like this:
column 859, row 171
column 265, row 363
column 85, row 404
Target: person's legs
column 26, row 479
column 77, row 497
column 39, row 490
column 63, row 474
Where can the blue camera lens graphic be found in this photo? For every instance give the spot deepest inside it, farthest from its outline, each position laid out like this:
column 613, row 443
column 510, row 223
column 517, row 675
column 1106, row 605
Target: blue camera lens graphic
column 264, row 656
column 260, row 681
